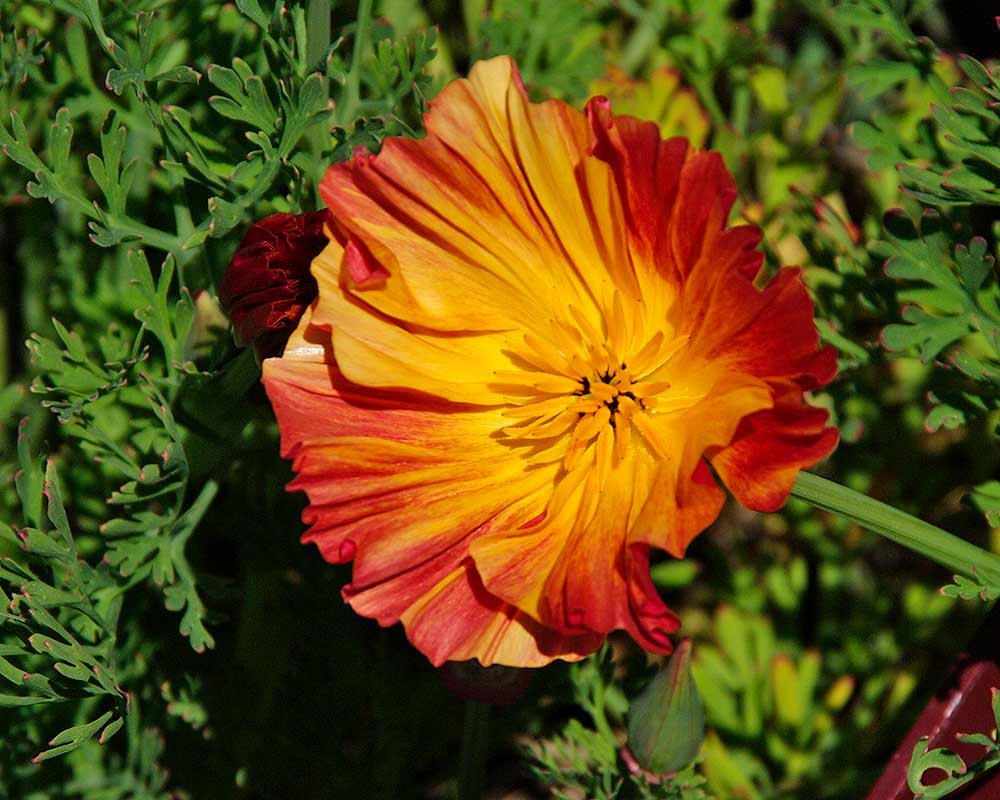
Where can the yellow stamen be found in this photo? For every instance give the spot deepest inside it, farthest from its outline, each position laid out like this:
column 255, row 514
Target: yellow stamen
column 555, row 427
column 568, row 335
column 623, row 380
column 570, row 482
column 651, row 433
column 668, row 403
column 538, row 408
column 617, row 325
column 626, row 407
column 548, row 354
column 589, row 331
column 645, row 357
column 584, row 406
column 602, row 454
column 575, row 452
column 580, row 367
column 584, row 390
column 604, row 392
column 649, row 389
column 623, row 435
column 589, row 426
column 663, row 357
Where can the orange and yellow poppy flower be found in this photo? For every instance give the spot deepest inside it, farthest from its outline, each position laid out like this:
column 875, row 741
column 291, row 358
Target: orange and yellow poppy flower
column 534, row 333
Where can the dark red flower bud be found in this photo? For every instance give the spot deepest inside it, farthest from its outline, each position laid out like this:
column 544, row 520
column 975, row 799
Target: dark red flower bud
column 267, row 286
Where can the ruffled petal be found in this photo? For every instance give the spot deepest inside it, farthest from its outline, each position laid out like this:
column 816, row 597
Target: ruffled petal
column 373, row 350
column 647, row 171
column 675, row 198
column 681, row 505
column 533, row 327
column 574, row 570
column 388, row 491
column 768, row 333
column 458, row 620
column 770, row 447
column 449, row 615
column 487, row 205
column 386, row 488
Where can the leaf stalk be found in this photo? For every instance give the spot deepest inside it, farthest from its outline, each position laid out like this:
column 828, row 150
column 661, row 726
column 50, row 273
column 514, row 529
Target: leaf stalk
column 951, row 552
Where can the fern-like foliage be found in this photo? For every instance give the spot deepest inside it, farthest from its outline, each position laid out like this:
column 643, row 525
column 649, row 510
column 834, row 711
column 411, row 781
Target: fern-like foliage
column 153, row 158
column 951, row 303
column 969, row 588
column 61, row 614
column 957, row 772
column 970, row 125
column 553, row 41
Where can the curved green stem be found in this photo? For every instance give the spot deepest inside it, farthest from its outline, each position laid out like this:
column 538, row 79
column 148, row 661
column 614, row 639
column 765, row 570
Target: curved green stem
column 948, row 550
column 352, row 91
column 645, row 36
column 318, row 27
column 597, row 712
column 318, row 30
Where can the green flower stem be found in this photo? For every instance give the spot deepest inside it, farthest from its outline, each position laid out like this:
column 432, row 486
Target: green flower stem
column 318, row 28
column 352, row 91
column 473, row 12
column 954, row 554
column 317, row 42
column 598, row 715
column 702, row 85
column 645, row 36
column 153, row 237
column 472, row 766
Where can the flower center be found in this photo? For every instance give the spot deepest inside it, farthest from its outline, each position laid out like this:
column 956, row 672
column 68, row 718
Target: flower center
column 583, row 389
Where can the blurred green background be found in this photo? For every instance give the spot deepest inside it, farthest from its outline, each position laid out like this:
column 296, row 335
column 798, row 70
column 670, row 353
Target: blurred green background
column 140, row 140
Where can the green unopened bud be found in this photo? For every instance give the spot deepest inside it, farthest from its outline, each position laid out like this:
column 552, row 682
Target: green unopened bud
column 666, row 723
